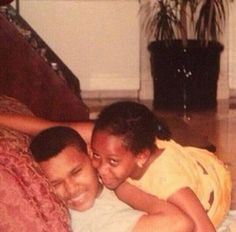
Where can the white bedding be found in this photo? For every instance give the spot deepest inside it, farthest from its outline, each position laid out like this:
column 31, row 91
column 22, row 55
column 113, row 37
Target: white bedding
column 229, row 225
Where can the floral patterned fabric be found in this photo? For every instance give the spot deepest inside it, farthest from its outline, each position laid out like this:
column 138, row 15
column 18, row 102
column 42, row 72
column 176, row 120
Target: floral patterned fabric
column 27, row 201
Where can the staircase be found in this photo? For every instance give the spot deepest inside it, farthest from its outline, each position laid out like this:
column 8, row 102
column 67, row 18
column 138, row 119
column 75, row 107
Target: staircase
column 31, row 72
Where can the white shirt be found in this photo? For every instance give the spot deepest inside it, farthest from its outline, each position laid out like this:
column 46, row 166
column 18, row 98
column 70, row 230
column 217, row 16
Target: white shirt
column 108, row 214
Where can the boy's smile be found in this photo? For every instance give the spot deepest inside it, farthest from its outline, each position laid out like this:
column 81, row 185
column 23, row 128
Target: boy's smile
column 73, row 177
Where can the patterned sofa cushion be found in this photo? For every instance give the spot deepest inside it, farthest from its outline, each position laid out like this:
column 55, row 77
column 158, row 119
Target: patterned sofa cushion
column 27, row 201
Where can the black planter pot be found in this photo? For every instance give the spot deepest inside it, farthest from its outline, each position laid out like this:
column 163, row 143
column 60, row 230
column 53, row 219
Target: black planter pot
column 185, row 78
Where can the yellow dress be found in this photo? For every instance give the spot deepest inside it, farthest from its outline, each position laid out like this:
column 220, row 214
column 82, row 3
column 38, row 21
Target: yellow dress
column 199, row 169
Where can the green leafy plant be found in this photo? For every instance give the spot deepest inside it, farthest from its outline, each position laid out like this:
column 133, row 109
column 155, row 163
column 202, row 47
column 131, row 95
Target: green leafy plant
column 184, row 19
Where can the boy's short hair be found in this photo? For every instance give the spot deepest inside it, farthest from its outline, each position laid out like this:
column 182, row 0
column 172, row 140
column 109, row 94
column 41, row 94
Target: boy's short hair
column 52, row 141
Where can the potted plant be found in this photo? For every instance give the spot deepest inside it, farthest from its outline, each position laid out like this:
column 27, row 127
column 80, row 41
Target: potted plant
column 185, row 52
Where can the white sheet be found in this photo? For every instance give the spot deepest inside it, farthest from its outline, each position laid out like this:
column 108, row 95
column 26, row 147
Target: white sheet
column 229, row 225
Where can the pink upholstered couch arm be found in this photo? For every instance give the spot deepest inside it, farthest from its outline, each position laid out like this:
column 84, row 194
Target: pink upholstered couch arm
column 27, row 201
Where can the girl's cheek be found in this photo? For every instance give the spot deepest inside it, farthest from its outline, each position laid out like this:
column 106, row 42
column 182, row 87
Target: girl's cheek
column 95, row 163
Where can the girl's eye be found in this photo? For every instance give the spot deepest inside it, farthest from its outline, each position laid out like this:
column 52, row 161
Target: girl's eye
column 96, row 156
column 114, row 162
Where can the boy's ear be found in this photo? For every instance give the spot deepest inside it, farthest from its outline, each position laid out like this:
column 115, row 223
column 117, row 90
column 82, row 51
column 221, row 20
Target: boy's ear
column 143, row 157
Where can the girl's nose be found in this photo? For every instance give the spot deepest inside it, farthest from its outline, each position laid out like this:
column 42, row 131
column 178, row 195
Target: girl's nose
column 100, row 166
column 102, row 169
column 96, row 163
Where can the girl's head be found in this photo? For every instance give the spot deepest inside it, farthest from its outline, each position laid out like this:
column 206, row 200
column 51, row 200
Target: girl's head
column 123, row 140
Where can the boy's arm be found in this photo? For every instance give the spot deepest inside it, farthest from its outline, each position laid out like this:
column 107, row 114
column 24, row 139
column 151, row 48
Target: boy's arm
column 188, row 202
column 33, row 125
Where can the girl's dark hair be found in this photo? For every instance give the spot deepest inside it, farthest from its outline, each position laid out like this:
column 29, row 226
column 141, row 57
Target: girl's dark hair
column 50, row 142
column 135, row 123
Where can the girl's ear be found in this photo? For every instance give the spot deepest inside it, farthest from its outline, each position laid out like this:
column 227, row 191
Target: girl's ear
column 143, row 157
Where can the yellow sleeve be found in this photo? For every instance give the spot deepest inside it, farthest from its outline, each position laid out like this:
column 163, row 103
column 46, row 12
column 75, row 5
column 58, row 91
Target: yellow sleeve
column 170, row 172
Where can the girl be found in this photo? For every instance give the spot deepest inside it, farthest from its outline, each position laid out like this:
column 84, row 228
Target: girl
column 125, row 147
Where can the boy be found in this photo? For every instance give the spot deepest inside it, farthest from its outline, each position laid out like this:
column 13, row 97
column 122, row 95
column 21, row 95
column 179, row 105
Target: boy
column 62, row 155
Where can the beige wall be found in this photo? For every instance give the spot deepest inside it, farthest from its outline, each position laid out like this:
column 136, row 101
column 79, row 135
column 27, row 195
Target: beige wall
column 101, row 41
column 98, row 39
column 232, row 47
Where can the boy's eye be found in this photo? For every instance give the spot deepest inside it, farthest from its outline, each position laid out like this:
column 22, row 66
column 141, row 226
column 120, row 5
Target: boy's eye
column 56, row 184
column 76, row 171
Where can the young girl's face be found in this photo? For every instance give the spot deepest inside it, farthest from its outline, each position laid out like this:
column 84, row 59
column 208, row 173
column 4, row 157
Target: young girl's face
column 113, row 161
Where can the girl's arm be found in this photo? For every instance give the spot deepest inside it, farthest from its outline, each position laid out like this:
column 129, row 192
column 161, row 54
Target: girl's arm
column 162, row 216
column 33, row 125
column 143, row 201
column 188, row 202
column 184, row 199
column 164, row 223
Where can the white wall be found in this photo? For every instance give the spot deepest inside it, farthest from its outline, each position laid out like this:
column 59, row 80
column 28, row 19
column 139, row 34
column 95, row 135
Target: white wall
column 97, row 39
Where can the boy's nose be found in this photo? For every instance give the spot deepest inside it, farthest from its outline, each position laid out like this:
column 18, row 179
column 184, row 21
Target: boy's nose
column 71, row 188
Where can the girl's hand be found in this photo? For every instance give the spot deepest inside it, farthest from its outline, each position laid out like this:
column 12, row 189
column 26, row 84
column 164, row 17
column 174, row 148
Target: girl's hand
column 188, row 202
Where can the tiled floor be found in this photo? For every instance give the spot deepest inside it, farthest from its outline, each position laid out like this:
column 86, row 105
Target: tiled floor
column 217, row 127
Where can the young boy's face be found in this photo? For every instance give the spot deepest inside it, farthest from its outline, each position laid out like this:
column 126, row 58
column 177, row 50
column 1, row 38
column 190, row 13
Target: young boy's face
column 73, row 177
column 112, row 160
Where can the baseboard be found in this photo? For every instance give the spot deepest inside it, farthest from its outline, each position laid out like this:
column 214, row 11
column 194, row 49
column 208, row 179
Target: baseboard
column 110, row 94
column 233, row 93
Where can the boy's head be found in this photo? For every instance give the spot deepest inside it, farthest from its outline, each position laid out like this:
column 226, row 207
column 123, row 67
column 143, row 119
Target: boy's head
column 123, row 139
column 62, row 155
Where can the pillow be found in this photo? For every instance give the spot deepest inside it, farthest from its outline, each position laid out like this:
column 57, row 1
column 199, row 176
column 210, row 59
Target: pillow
column 27, row 200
